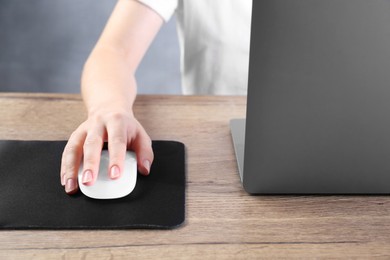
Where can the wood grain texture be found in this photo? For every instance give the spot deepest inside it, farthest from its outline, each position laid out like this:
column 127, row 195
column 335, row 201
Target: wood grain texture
column 222, row 221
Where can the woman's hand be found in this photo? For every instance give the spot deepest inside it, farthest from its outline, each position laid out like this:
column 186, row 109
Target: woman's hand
column 122, row 131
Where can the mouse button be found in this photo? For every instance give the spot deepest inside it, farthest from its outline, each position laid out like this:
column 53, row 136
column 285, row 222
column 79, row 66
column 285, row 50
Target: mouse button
column 131, row 155
column 104, row 156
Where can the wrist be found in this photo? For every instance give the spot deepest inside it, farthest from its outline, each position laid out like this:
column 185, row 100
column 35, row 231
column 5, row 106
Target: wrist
column 110, row 108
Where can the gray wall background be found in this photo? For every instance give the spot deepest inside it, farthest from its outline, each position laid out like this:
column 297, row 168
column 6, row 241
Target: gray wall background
column 44, row 44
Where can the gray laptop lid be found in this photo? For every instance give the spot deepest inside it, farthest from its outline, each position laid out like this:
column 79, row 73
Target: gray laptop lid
column 318, row 111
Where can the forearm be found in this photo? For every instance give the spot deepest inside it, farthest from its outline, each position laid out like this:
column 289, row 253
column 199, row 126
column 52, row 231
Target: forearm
column 108, row 81
column 108, row 75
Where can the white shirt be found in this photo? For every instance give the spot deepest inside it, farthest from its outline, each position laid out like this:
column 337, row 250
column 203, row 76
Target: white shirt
column 214, row 38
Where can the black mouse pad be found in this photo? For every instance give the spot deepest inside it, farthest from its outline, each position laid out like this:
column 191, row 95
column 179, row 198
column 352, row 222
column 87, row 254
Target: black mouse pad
column 31, row 196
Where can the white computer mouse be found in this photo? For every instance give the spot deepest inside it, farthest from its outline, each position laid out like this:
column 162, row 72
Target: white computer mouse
column 106, row 188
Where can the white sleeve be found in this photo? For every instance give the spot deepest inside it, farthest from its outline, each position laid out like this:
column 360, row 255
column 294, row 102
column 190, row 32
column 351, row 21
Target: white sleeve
column 165, row 8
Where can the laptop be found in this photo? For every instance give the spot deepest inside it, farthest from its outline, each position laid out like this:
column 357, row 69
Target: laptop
column 318, row 104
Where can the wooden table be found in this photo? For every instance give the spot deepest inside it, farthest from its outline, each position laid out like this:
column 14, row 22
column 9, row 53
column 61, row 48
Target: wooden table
column 222, row 221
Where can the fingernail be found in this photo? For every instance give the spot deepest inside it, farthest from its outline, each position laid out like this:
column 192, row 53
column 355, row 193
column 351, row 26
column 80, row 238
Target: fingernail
column 70, row 185
column 147, row 165
column 87, row 176
column 114, row 172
